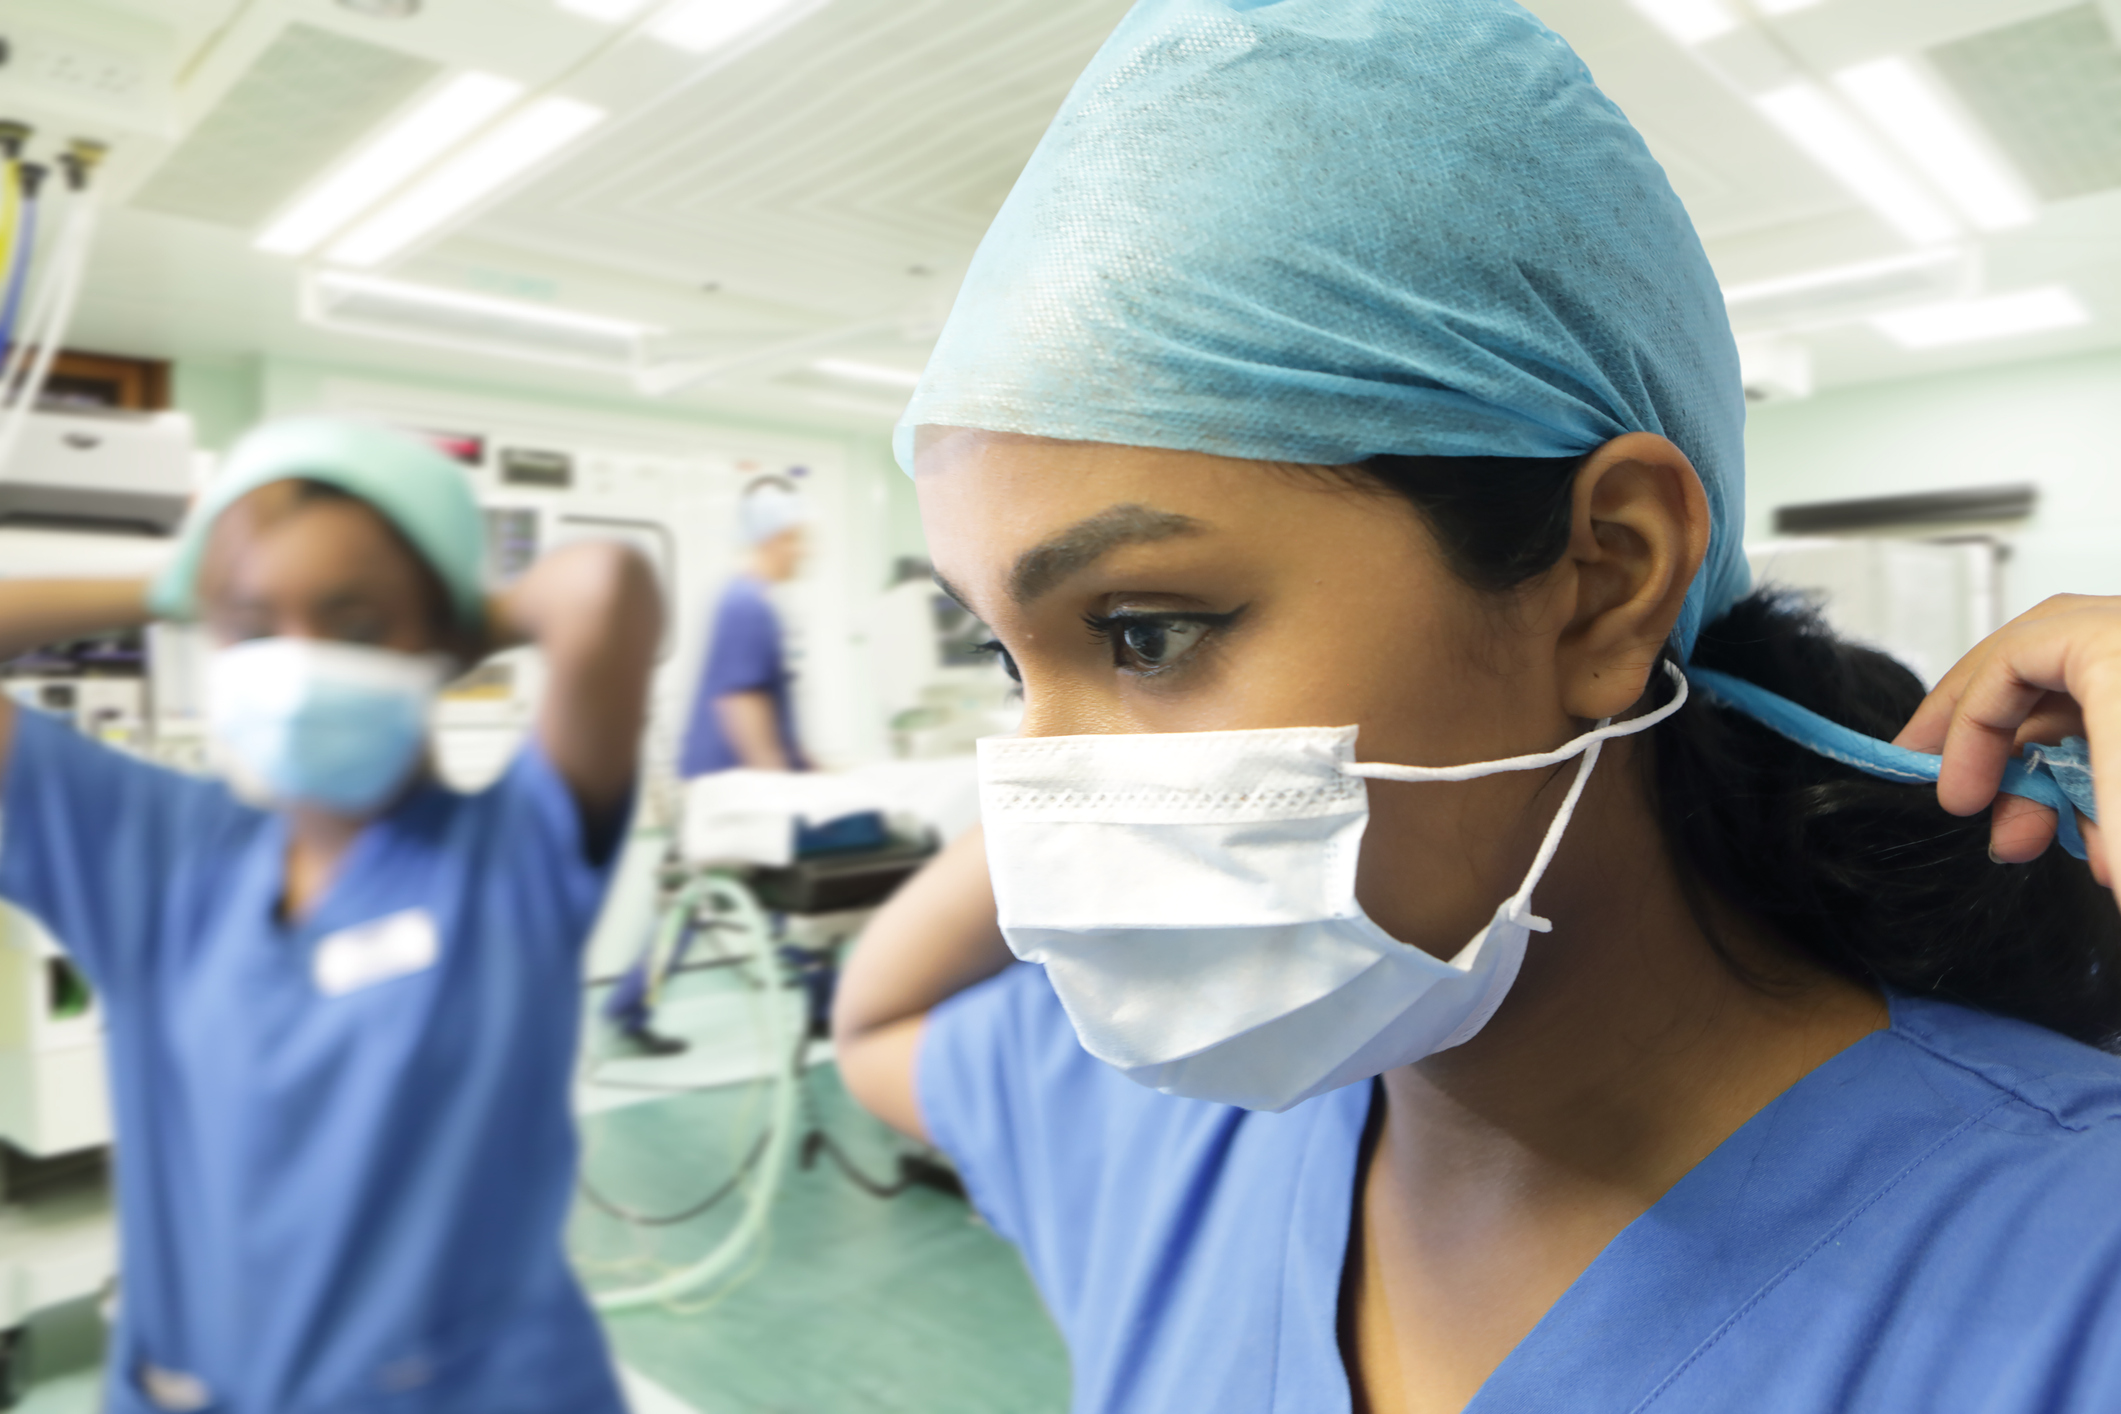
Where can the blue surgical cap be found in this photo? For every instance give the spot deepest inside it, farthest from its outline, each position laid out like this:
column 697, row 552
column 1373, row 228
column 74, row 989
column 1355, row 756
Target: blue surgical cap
column 1326, row 230
column 416, row 488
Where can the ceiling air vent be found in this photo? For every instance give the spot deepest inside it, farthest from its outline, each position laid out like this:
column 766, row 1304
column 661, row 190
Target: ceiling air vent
column 446, row 318
column 309, row 97
column 2049, row 92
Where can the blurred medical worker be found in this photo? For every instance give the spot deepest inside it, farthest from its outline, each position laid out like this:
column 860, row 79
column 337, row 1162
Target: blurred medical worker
column 1489, row 960
column 341, row 999
column 742, row 714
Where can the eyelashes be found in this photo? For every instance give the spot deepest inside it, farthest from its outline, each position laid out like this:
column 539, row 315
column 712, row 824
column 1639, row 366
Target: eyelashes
column 1142, row 643
column 992, row 648
column 1154, row 642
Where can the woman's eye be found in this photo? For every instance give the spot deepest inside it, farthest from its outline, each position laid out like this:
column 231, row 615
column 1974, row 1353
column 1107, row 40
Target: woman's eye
column 1156, row 643
column 1148, row 643
column 993, row 648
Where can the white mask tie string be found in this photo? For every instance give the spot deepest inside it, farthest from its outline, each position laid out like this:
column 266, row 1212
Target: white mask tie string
column 1604, row 731
column 1518, row 908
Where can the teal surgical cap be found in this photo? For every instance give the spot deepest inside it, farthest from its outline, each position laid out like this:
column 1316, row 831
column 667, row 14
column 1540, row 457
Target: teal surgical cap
column 415, row 487
column 1326, row 230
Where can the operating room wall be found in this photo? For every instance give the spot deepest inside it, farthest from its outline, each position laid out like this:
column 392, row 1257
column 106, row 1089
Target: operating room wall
column 222, row 395
column 2055, row 423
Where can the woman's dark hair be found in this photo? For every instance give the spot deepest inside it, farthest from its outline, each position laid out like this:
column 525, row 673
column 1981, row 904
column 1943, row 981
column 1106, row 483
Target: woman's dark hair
column 1869, row 878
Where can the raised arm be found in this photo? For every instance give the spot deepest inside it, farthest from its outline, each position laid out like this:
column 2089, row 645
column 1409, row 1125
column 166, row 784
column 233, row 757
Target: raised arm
column 752, row 729
column 34, row 612
column 594, row 610
column 936, row 937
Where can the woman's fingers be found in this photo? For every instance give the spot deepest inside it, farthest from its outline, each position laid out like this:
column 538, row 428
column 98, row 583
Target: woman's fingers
column 2019, row 830
column 2053, row 672
column 1925, row 731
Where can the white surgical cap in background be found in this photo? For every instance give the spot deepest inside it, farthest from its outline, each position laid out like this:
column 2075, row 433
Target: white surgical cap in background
column 767, row 509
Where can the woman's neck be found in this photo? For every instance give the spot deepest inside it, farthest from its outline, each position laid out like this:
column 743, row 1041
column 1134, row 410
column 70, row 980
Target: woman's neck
column 1627, row 1050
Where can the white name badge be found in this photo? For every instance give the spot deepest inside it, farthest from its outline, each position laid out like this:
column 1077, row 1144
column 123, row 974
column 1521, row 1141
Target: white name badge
column 361, row 956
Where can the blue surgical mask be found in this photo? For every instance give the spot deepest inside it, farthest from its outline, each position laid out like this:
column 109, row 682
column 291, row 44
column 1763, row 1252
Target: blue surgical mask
column 298, row 721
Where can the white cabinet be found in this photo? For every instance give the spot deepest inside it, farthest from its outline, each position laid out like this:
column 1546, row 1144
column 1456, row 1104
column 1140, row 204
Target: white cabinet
column 54, row 1092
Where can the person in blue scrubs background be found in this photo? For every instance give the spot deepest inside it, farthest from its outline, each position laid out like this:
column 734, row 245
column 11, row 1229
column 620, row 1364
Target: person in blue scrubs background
column 1341, row 432
column 743, row 714
column 342, row 999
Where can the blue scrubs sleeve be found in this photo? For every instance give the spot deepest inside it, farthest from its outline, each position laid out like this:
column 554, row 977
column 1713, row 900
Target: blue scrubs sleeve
column 1009, row 1093
column 549, row 839
column 92, row 842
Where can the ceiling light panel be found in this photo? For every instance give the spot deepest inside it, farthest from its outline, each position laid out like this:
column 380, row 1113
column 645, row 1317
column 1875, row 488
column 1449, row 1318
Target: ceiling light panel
column 512, row 148
column 1864, row 273
column 1833, row 139
column 440, row 317
column 868, row 372
column 701, row 25
column 430, row 128
column 1910, row 111
column 1690, row 21
column 608, row 11
column 347, row 282
column 1782, row 7
column 1846, row 294
column 1972, row 321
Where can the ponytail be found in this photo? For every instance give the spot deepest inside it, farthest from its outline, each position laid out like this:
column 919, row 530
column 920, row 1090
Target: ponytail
column 1869, row 878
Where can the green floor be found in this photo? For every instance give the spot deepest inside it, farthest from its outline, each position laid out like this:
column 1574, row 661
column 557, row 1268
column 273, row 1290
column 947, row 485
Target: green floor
column 859, row 1304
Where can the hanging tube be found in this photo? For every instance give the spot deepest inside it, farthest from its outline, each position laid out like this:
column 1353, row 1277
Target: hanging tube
column 17, row 218
column 69, row 266
column 780, row 1138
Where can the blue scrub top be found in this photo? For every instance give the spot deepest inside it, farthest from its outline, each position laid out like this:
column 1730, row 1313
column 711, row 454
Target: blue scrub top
column 345, row 1156
column 1928, row 1223
column 745, row 653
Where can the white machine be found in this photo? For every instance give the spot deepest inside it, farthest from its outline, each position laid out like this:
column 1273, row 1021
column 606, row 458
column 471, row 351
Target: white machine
column 1924, row 602
column 939, row 690
column 121, row 469
column 108, row 480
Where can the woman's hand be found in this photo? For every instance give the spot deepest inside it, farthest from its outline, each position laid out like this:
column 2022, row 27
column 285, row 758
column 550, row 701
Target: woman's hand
column 2050, row 673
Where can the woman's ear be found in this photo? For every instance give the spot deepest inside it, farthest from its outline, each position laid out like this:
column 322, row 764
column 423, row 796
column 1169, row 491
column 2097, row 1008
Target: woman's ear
column 1639, row 532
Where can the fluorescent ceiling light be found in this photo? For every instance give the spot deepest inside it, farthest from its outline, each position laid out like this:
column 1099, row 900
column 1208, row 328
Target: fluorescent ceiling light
column 1690, row 21
column 609, row 11
column 512, row 148
column 868, row 372
column 1766, row 7
column 1862, row 273
column 1838, row 143
column 1950, row 153
column 702, row 25
column 345, row 282
column 427, row 130
column 1969, row 321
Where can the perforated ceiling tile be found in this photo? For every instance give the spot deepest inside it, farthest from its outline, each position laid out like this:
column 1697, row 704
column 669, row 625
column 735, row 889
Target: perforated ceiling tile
column 875, row 138
column 2049, row 91
column 311, row 95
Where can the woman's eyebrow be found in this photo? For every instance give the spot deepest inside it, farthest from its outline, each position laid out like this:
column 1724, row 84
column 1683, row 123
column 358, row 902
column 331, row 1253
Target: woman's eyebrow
column 1047, row 564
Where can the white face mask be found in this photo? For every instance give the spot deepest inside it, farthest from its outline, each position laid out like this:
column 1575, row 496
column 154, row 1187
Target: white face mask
column 297, row 721
column 1192, row 897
